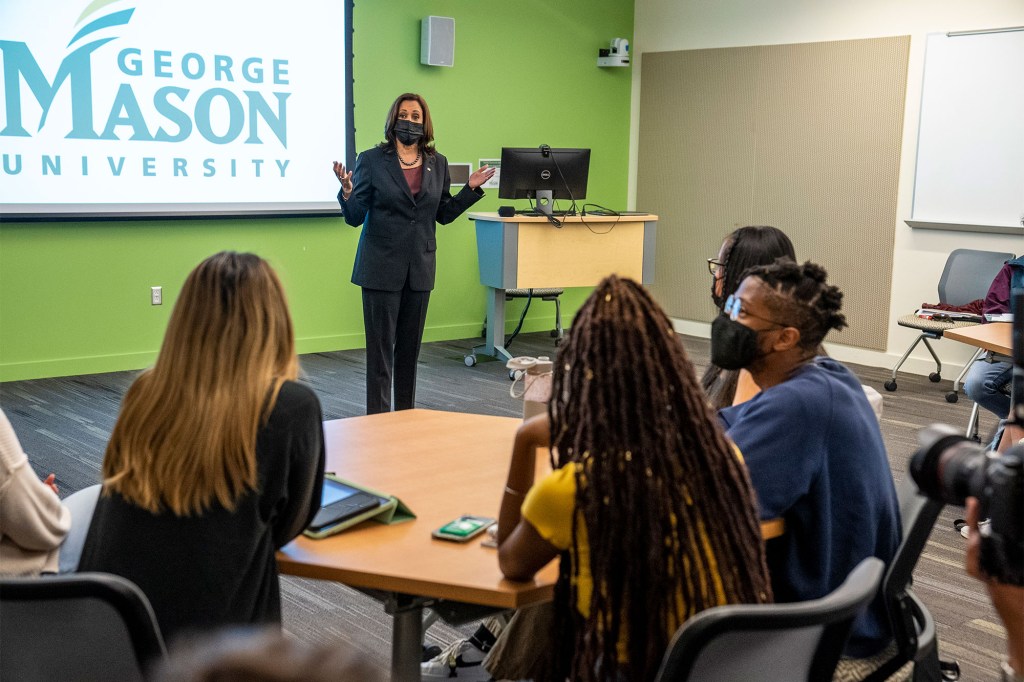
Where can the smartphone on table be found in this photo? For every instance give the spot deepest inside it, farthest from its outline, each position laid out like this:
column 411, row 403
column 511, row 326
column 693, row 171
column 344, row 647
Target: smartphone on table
column 464, row 528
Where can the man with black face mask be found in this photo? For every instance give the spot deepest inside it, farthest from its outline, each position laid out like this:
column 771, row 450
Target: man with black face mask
column 812, row 444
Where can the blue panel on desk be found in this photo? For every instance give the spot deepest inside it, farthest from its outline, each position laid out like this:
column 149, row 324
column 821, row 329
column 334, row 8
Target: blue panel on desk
column 497, row 248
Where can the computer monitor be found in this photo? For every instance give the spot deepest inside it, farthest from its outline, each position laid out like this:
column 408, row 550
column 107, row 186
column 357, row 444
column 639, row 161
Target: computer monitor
column 544, row 174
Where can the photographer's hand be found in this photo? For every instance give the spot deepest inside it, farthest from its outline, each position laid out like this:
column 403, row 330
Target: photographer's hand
column 1007, row 599
column 1012, row 434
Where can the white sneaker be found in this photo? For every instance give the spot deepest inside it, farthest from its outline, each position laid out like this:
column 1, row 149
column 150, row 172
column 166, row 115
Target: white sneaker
column 461, row 660
column 965, row 529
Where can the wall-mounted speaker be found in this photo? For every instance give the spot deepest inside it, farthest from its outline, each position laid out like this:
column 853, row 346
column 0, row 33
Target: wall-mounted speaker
column 437, row 41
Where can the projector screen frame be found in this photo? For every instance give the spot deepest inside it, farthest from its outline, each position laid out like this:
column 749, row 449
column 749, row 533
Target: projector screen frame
column 93, row 212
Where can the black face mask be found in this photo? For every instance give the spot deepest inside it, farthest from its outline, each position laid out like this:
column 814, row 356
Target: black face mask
column 733, row 345
column 718, row 300
column 408, row 132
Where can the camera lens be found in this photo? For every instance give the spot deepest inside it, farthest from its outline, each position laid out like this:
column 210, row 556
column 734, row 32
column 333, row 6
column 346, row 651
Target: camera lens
column 962, row 469
column 950, row 469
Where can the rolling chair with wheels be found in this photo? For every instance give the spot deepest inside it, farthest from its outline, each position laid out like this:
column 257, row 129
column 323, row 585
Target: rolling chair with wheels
column 543, row 294
column 529, row 294
column 791, row 642
column 966, row 277
column 954, row 395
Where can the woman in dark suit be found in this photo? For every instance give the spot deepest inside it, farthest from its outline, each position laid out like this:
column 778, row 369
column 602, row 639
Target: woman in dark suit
column 398, row 192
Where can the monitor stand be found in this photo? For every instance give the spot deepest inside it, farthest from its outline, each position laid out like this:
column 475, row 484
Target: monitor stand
column 544, row 201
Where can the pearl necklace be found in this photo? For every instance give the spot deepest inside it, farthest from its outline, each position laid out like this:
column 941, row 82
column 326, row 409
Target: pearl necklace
column 412, row 163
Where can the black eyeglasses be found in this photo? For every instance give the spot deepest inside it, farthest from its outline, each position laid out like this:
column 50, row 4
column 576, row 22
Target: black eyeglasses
column 714, row 264
column 734, row 308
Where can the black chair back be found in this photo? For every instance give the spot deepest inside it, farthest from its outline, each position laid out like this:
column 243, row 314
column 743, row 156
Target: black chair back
column 82, row 627
column 783, row 642
column 912, row 624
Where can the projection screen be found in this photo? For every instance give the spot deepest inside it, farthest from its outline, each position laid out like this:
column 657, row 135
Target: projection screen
column 129, row 108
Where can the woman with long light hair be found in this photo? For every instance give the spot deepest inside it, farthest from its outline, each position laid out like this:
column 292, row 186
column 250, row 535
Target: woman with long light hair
column 217, row 456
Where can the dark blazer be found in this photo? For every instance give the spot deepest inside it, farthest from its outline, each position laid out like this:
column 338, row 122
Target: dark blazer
column 398, row 229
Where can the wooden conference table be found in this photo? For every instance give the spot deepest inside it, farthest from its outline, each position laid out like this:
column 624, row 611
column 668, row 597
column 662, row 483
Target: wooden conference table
column 442, row 465
column 995, row 337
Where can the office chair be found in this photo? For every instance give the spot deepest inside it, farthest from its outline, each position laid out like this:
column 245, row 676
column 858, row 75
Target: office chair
column 966, row 277
column 81, row 504
column 529, row 294
column 783, row 642
column 83, row 627
column 912, row 625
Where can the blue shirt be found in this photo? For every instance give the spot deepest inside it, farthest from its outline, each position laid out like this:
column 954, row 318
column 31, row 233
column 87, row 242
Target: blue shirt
column 816, row 459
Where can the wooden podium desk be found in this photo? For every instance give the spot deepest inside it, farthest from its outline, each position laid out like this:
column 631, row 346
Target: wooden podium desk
column 528, row 252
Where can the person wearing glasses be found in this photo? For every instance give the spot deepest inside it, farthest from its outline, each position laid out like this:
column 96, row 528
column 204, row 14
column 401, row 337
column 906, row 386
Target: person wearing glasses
column 744, row 248
column 811, row 443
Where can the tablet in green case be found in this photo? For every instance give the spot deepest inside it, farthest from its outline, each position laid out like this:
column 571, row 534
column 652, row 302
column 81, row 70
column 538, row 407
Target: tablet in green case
column 344, row 504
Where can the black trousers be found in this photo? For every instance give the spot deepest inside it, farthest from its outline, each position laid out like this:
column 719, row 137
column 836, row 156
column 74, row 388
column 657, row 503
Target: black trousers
column 393, row 322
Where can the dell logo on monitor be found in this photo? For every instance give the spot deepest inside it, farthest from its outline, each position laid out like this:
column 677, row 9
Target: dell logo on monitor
column 545, row 174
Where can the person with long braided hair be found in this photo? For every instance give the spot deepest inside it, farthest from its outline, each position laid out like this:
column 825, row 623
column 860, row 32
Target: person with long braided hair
column 812, row 444
column 648, row 505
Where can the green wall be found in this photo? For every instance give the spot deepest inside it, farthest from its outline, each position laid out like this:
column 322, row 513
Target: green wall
column 74, row 297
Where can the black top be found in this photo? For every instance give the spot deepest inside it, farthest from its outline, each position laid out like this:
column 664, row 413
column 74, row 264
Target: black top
column 398, row 242
column 219, row 568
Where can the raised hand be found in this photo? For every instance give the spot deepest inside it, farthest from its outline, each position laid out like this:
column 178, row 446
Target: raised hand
column 345, row 178
column 480, row 176
column 51, row 482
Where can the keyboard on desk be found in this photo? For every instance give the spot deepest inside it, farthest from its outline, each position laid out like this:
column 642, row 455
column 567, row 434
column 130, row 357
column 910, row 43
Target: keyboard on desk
column 539, row 214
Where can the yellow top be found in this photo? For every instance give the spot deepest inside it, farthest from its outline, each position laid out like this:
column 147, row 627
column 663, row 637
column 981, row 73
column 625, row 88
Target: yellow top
column 548, row 507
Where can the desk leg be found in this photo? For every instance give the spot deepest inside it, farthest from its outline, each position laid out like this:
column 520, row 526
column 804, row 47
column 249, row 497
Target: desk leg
column 407, row 638
column 495, row 341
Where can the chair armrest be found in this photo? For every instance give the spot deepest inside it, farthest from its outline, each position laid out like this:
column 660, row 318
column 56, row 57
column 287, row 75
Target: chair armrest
column 925, row 626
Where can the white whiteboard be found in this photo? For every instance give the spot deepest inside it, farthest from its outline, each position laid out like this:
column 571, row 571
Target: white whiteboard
column 970, row 149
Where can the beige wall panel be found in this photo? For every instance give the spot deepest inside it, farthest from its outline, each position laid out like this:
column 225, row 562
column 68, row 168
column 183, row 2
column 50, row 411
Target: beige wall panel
column 804, row 137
